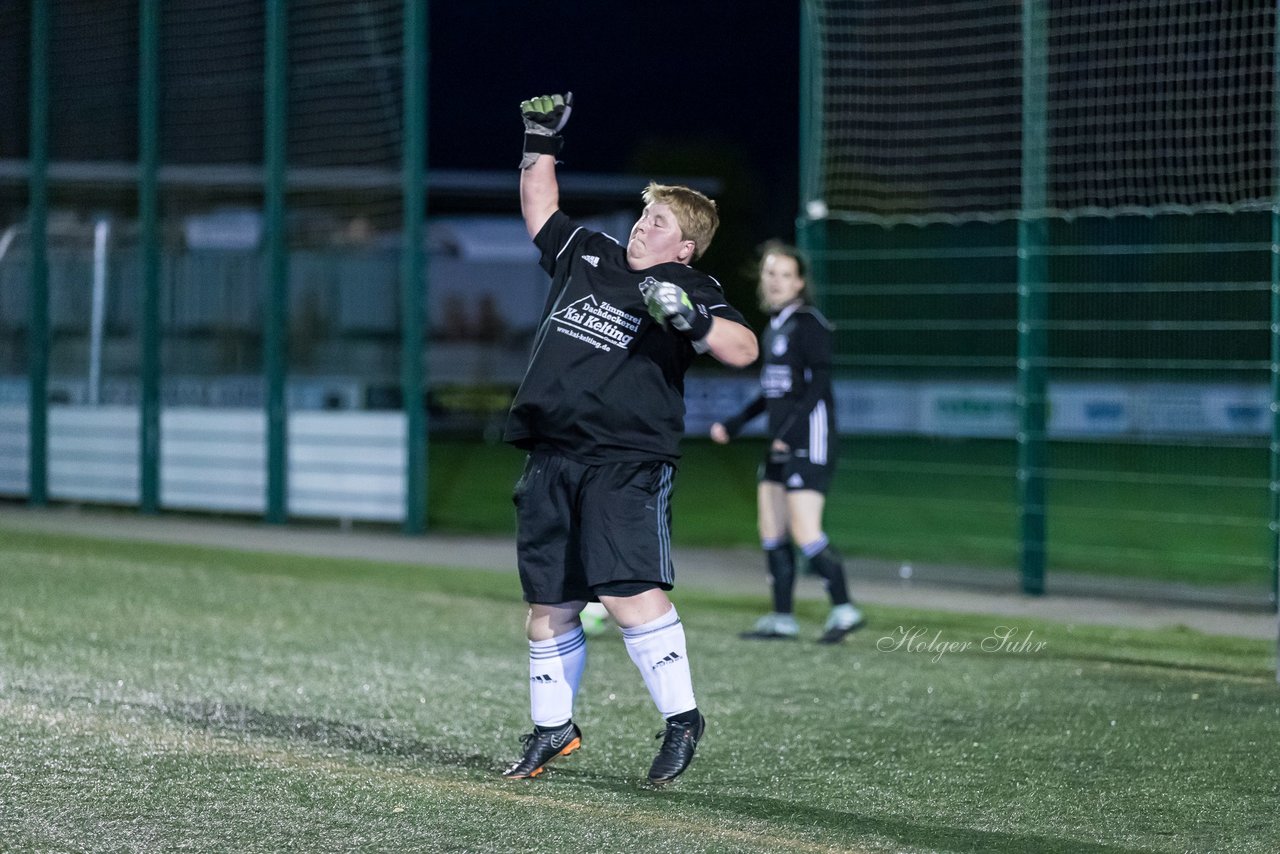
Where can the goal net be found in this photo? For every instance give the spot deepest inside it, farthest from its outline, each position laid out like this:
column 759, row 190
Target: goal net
column 1042, row 231
column 1151, row 106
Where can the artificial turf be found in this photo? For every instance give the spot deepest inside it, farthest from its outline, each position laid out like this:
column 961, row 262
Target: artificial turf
column 158, row 697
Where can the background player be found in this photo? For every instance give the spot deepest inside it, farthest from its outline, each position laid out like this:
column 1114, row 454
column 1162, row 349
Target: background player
column 795, row 386
column 601, row 412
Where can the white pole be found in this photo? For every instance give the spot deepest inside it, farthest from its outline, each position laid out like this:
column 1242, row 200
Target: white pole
column 101, row 231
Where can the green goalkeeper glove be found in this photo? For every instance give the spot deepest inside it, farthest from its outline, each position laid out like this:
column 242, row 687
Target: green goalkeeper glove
column 669, row 304
column 544, row 116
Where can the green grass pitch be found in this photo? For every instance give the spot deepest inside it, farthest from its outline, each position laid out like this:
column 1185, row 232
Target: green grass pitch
column 163, row 698
column 1186, row 515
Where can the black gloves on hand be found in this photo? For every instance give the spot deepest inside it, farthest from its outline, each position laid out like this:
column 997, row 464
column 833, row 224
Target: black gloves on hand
column 544, row 116
column 669, row 304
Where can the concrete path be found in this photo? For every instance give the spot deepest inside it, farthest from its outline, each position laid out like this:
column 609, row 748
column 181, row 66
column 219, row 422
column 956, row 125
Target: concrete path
column 1072, row 599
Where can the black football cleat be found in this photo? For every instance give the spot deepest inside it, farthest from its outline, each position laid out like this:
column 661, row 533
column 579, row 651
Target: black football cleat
column 843, row 620
column 679, row 741
column 541, row 746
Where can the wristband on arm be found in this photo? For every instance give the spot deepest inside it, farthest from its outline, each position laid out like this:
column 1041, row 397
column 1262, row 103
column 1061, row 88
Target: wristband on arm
column 536, row 144
column 699, row 324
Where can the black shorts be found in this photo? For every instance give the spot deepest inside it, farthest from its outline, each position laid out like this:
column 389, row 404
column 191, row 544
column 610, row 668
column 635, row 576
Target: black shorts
column 795, row 471
column 582, row 527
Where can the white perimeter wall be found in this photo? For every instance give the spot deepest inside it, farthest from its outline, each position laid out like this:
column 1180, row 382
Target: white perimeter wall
column 343, row 465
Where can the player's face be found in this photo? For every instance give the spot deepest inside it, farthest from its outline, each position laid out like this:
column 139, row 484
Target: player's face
column 780, row 281
column 656, row 239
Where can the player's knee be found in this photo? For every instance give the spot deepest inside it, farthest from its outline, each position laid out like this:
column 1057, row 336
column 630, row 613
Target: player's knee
column 634, row 603
column 805, row 531
column 548, row 621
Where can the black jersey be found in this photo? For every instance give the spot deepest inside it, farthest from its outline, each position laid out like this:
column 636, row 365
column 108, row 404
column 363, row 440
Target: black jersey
column 605, row 382
column 795, row 383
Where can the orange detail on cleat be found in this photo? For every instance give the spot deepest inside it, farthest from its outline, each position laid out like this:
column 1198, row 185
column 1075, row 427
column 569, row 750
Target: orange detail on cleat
column 572, row 746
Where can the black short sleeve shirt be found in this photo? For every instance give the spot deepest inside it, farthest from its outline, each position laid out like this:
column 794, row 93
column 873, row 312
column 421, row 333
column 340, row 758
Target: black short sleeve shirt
column 795, row 376
column 605, row 382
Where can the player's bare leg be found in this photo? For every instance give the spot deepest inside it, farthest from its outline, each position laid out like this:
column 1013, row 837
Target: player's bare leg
column 771, row 519
column 804, row 508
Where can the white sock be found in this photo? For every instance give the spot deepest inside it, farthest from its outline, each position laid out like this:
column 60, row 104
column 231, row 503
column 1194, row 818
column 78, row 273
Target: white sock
column 555, row 671
column 658, row 649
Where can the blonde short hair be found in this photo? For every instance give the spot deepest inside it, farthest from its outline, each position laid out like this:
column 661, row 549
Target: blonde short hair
column 695, row 212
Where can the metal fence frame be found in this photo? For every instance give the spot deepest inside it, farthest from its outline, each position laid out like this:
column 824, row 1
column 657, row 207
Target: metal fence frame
column 275, row 320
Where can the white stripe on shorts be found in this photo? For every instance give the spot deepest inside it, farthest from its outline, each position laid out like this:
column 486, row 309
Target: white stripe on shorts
column 818, row 434
column 664, row 530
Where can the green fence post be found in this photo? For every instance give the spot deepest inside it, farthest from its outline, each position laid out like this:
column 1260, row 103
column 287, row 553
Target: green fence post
column 1274, row 451
column 275, row 301
column 412, row 281
column 38, row 317
column 148, row 215
column 811, row 224
column 1033, row 239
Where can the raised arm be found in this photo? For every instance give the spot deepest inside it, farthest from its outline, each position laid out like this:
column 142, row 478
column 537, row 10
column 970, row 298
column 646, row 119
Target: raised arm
column 543, row 116
column 539, row 193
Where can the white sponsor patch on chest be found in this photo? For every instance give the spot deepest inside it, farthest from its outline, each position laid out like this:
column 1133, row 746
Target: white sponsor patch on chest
column 599, row 324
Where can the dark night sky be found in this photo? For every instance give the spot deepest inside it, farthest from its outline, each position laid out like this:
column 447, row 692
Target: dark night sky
column 696, row 87
column 664, row 88
column 684, row 73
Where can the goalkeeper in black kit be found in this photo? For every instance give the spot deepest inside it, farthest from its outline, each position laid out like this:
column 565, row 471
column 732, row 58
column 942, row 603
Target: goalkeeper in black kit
column 600, row 412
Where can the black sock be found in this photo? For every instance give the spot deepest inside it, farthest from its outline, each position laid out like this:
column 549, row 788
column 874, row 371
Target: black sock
column 689, row 717
column 782, row 576
column 827, row 563
column 543, row 730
